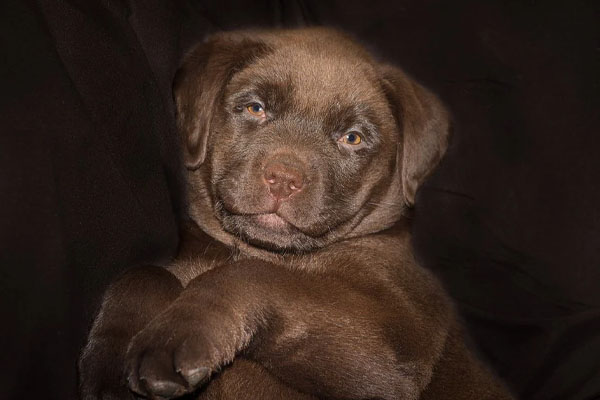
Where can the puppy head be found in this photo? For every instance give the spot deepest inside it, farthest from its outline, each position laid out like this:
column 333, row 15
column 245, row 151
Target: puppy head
column 296, row 139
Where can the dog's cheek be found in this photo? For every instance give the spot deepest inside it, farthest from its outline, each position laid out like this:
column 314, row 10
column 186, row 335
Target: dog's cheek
column 239, row 185
column 356, row 179
column 350, row 179
column 233, row 186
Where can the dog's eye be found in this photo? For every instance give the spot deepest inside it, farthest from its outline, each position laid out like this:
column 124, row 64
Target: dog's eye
column 351, row 138
column 256, row 110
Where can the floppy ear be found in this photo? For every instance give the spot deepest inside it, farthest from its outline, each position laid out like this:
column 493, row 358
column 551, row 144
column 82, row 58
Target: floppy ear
column 424, row 125
column 199, row 86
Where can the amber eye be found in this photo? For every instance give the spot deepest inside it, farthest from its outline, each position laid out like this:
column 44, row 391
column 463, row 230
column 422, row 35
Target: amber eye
column 256, row 109
column 351, row 138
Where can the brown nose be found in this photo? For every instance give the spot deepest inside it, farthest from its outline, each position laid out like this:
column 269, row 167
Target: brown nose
column 283, row 180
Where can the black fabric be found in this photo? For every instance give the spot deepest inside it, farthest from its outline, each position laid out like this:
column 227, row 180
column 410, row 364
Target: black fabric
column 89, row 171
column 89, row 174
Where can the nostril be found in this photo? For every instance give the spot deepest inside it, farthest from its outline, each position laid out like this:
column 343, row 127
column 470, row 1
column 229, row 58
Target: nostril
column 271, row 178
column 295, row 184
column 270, row 174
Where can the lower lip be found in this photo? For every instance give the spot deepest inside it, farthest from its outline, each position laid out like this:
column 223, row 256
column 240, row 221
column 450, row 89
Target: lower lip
column 273, row 221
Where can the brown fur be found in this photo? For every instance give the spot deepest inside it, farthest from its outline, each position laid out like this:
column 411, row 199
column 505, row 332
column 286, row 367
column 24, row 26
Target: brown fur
column 323, row 301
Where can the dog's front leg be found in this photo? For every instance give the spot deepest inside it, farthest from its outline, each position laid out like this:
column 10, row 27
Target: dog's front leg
column 128, row 305
column 318, row 333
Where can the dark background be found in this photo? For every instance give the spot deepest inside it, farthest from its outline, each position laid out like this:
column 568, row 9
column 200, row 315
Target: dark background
column 89, row 172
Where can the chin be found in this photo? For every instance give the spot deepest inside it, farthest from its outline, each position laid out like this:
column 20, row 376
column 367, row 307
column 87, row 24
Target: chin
column 269, row 232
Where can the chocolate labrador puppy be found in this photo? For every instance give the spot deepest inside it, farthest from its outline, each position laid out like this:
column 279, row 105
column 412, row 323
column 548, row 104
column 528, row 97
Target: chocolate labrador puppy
column 296, row 278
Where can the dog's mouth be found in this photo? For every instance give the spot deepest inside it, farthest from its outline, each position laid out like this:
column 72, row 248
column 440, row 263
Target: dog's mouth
column 272, row 221
column 267, row 230
column 269, row 220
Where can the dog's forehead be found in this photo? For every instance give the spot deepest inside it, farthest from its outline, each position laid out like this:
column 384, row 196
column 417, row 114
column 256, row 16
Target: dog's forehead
column 317, row 73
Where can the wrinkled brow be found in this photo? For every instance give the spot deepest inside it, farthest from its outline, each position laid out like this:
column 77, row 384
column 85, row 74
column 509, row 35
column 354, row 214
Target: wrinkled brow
column 275, row 96
column 341, row 117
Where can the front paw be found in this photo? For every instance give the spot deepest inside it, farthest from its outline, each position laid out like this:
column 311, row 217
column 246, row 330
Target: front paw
column 178, row 351
column 101, row 370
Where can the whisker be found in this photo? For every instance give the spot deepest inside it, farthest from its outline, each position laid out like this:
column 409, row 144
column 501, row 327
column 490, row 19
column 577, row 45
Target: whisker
column 386, row 204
